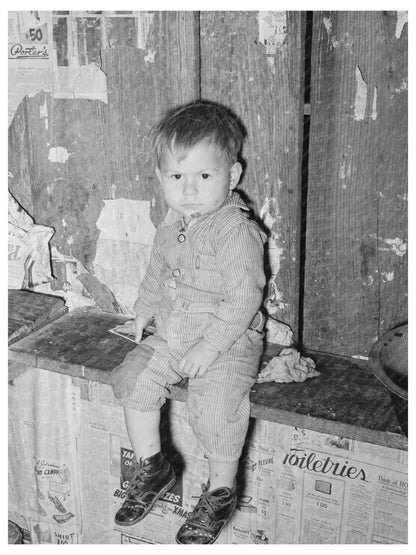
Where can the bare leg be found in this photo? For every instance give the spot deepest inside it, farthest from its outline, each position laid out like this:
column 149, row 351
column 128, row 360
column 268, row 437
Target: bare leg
column 152, row 475
column 222, row 474
column 143, row 431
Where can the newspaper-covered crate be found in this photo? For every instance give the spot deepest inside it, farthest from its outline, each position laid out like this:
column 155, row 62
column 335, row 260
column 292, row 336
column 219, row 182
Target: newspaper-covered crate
column 297, row 486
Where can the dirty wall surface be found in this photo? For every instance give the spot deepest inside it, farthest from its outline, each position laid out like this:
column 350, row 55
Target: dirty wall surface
column 356, row 241
column 85, row 89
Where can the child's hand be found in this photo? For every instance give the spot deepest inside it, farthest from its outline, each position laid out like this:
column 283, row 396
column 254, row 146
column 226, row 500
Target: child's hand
column 135, row 327
column 197, row 360
column 139, row 324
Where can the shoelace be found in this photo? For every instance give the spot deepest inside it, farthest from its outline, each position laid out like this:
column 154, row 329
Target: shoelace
column 134, row 486
column 206, row 508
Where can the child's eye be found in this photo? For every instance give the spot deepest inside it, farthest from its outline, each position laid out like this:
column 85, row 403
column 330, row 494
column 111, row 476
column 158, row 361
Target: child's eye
column 176, row 176
column 205, row 175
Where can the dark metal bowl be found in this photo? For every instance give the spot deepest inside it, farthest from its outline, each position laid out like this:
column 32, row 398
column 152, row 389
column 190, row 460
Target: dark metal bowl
column 389, row 364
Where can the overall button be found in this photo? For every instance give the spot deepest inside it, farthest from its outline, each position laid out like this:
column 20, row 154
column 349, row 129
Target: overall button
column 181, row 238
column 176, row 272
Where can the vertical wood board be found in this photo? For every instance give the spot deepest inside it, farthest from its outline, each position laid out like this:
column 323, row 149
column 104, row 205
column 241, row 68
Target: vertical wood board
column 356, row 267
column 58, row 168
column 260, row 77
column 142, row 85
column 67, row 156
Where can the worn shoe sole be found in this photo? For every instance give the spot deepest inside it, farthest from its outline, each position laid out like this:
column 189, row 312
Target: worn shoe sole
column 150, row 507
column 219, row 531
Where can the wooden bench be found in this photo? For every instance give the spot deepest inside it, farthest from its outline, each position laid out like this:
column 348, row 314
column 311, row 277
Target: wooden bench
column 345, row 400
column 29, row 311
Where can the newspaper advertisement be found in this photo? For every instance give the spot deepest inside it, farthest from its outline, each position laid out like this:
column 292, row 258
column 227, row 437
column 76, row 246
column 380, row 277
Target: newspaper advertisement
column 60, row 51
column 44, row 489
column 328, row 490
column 29, row 38
column 105, row 448
column 99, row 469
column 123, row 247
column 122, row 255
column 296, row 486
column 272, row 33
column 306, row 487
column 29, row 55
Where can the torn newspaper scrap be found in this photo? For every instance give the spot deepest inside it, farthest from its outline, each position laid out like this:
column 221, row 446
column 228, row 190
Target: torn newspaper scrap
column 28, row 252
column 126, row 330
column 278, row 332
column 289, row 366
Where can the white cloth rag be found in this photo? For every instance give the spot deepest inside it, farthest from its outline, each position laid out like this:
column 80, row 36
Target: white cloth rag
column 289, row 366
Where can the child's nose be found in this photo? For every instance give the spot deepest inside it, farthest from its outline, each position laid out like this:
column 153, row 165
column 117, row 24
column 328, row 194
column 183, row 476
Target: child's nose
column 189, row 187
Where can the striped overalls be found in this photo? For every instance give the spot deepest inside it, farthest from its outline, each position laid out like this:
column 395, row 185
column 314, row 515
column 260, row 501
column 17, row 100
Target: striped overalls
column 206, row 281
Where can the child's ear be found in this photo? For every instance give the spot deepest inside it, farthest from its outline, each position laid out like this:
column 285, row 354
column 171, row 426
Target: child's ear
column 235, row 174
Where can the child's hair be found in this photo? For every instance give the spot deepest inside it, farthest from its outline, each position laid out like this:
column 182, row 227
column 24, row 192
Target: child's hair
column 185, row 126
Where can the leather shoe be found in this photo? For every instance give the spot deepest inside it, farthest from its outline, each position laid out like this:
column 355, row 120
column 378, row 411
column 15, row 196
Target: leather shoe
column 208, row 518
column 152, row 478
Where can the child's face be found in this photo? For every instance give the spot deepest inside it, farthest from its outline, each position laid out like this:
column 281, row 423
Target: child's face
column 199, row 183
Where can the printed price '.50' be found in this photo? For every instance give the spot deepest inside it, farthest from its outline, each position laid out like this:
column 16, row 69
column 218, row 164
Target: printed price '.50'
column 35, row 34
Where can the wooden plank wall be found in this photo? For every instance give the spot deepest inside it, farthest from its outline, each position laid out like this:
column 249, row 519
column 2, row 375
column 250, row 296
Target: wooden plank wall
column 264, row 86
column 356, row 261
column 142, row 85
column 66, row 195
column 356, row 235
column 108, row 144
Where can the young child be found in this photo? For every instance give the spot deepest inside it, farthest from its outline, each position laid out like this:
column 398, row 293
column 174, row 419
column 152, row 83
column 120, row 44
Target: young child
column 204, row 286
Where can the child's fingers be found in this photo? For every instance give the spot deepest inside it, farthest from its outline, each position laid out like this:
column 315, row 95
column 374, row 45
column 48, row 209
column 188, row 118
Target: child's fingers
column 192, row 371
column 188, row 368
column 201, row 371
column 139, row 335
column 182, row 364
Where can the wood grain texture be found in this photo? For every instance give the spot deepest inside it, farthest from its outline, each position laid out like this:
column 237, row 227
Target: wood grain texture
column 28, row 311
column 355, row 276
column 142, row 85
column 345, row 398
column 80, row 338
column 66, row 195
column 108, row 146
column 266, row 92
